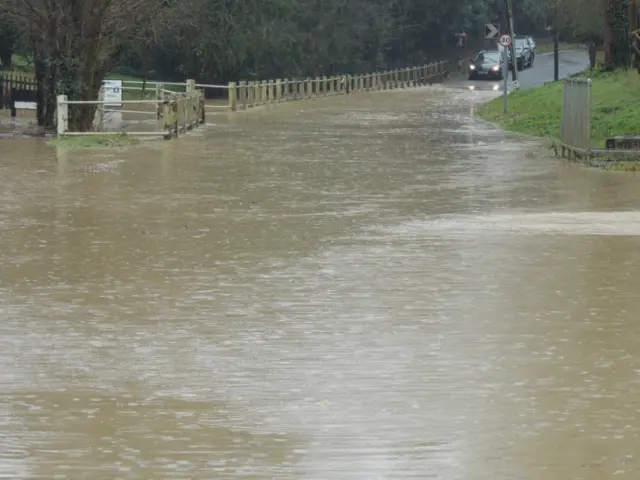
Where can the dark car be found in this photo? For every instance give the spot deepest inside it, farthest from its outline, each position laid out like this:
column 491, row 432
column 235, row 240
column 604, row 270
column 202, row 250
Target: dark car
column 524, row 53
column 487, row 64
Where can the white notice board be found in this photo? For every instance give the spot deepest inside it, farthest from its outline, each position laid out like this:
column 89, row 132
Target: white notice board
column 112, row 93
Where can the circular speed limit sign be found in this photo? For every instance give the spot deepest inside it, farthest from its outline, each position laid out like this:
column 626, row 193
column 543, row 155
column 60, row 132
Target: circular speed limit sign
column 505, row 40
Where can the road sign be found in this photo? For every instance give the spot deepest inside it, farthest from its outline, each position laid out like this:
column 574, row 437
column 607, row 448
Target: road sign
column 505, row 40
column 112, row 93
column 490, row 30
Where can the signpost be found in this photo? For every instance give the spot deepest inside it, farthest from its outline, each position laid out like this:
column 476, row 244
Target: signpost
column 490, row 31
column 112, row 93
column 505, row 42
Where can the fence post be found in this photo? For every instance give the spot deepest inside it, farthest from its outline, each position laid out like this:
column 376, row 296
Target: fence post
column 233, row 106
column 278, row 90
column 99, row 115
column 243, row 94
column 63, row 115
column 191, row 86
column 270, row 93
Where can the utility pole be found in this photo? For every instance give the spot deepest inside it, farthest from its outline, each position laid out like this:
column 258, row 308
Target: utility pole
column 556, row 56
column 633, row 34
column 552, row 28
column 514, row 72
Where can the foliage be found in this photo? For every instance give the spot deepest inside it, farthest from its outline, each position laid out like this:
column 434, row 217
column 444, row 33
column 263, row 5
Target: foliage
column 8, row 40
column 75, row 43
column 96, row 141
column 615, row 107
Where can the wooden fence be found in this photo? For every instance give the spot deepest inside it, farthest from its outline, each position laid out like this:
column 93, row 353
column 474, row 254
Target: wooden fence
column 16, row 87
column 175, row 112
column 243, row 94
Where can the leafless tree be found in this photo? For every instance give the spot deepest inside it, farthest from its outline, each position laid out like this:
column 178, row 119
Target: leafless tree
column 74, row 43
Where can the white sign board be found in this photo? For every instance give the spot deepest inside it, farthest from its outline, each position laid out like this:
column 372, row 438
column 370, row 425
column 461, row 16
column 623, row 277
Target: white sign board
column 26, row 105
column 112, row 93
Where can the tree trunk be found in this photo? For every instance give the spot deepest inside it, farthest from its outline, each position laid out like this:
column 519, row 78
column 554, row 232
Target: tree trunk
column 5, row 60
column 616, row 32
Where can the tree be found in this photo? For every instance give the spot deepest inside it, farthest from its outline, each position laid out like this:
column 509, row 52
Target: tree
column 8, row 40
column 74, row 43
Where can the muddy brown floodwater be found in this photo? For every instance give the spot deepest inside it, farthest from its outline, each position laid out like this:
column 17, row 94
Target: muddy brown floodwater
column 372, row 287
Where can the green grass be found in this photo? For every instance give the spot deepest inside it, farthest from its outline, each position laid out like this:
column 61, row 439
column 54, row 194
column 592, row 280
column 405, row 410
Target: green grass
column 615, row 108
column 96, row 141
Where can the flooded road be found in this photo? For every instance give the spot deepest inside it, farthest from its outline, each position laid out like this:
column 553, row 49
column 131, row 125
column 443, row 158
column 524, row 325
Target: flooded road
column 371, row 287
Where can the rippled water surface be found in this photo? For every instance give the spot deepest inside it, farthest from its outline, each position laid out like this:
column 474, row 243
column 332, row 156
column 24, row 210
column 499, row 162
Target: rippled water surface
column 372, row 287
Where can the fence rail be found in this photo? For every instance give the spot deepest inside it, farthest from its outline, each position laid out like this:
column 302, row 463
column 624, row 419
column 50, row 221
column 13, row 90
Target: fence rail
column 175, row 112
column 243, row 94
column 16, row 87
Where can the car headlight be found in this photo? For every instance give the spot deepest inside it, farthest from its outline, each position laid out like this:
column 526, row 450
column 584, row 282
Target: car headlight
column 495, row 68
column 472, row 67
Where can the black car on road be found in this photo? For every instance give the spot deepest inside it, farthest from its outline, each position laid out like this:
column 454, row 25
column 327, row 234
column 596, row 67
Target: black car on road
column 524, row 53
column 487, row 64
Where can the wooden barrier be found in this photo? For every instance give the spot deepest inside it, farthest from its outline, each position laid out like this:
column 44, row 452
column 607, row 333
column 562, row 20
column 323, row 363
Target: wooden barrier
column 248, row 94
column 175, row 113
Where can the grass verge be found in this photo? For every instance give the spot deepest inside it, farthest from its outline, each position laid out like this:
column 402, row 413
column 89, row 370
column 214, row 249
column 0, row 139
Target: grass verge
column 615, row 108
column 96, row 141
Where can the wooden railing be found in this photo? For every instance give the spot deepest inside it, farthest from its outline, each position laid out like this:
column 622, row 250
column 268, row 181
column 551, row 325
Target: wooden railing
column 175, row 113
column 243, row 94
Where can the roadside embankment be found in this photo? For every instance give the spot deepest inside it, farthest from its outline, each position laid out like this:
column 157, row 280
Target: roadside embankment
column 615, row 108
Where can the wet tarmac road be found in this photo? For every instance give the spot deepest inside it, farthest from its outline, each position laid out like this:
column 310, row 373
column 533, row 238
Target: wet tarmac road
column 571, row 62
column 353, row 288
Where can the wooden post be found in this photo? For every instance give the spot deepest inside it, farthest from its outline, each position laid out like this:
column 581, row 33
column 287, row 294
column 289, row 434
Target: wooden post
column 191, row 86
column 263, row 91
column 243, row 94
column 278, row 90
column 63, row 115
column 331, row 85
column 271, row 93
column 159, row 98
column 343, row 84
column 232, row 97
column 324, row 86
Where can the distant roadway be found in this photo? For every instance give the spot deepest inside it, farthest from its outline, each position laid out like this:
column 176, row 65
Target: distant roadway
column 571, row 62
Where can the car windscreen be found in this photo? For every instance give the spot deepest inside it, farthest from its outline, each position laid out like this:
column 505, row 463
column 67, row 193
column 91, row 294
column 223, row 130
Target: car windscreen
column 520, row 44
column 491, row 57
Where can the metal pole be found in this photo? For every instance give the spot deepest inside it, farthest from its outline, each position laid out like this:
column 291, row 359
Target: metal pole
column 512, row 35
column 556, row 56
column 505, row 75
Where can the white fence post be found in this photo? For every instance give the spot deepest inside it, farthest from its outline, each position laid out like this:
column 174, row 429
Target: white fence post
column 63, row 115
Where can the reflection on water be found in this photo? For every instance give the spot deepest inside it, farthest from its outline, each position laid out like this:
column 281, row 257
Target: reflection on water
column 353, row 288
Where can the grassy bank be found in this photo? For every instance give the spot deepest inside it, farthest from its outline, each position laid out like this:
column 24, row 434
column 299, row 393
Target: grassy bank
column 96, row 141
column 615, row 108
